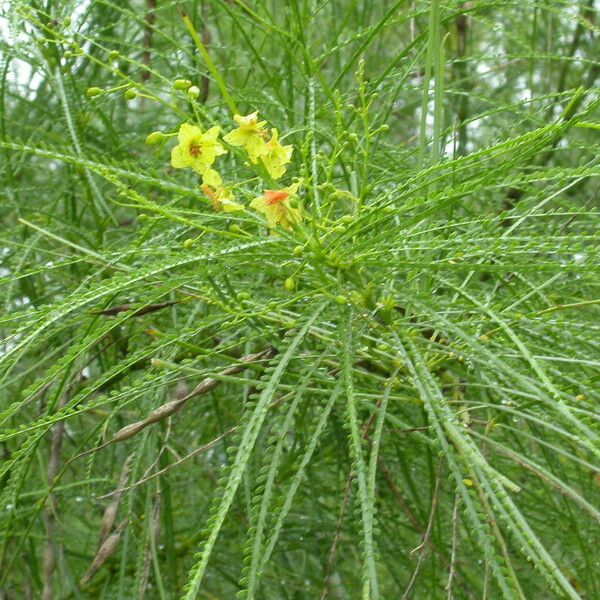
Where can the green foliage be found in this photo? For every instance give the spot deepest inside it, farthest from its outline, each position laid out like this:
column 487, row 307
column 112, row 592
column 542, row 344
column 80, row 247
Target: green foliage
column 395, row 397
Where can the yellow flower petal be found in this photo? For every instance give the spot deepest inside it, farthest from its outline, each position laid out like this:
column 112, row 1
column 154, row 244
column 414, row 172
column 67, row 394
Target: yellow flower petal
column 250, row 135
column 277, row 156
column 275, row 205
column 187, row 132
column 231, row 205
column 212, row 134
column 211, row 177
column 178, row 159
column 196, row 149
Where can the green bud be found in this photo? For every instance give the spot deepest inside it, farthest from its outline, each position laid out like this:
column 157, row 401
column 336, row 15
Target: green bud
column 155, row 138
column 68, row 54
column 193, row 92
column 289, row 284
column 297, row 251
column 340, row 299
column 67, row 22
column 339, row 229
column 129, row 94
column 347, row 219
column 187, row 243
column 113, row 55
column 182, row 84
column 293, row 202
column 94, row 91
column 243, row 296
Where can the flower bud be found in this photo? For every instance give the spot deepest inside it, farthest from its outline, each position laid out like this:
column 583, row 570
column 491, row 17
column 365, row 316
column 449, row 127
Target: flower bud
column 289, row 284
column 67, row 22
column 94, row 91
column 193, row 92
column 113, row 55
column 129, row 94
column 297, row 251
column 182, row 84
column 155, row 138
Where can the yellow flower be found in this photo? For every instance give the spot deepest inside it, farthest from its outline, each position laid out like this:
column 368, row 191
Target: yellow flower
column 249, row 134
column 276, row 156
column 221, row 198
column 198, row 150
column 211, row 177
column 276, row 206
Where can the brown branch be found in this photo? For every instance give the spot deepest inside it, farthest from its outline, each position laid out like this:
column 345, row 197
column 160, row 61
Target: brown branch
column 115, row 310
column 175, row 464
column 52, row 470
column 170, row 408
column 423, row 545
column 342, row 511
column 147, row 41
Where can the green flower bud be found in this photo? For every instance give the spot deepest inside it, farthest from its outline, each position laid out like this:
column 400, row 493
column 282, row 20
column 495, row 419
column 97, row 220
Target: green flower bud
column 129, row 94
column 297, row 251
column 155, row 138
column 340, row 299
column 193, row 92
column 289, row 284
column 67, row 22
column 187, row 243
column 94, row 91
column 68, row 54
column 182, row 84
column 113, row 55
column 243, row 296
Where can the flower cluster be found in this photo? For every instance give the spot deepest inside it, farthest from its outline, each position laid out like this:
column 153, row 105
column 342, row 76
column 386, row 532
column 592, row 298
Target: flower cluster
column 198, row 150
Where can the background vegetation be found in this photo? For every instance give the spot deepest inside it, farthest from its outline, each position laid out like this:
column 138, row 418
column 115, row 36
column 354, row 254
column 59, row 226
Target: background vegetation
column 412, row 415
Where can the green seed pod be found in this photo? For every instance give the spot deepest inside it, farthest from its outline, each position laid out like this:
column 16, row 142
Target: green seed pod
column 129, row 94
column 113, row 55
column 289, row 284
column 182, row 84
column 297, row 251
